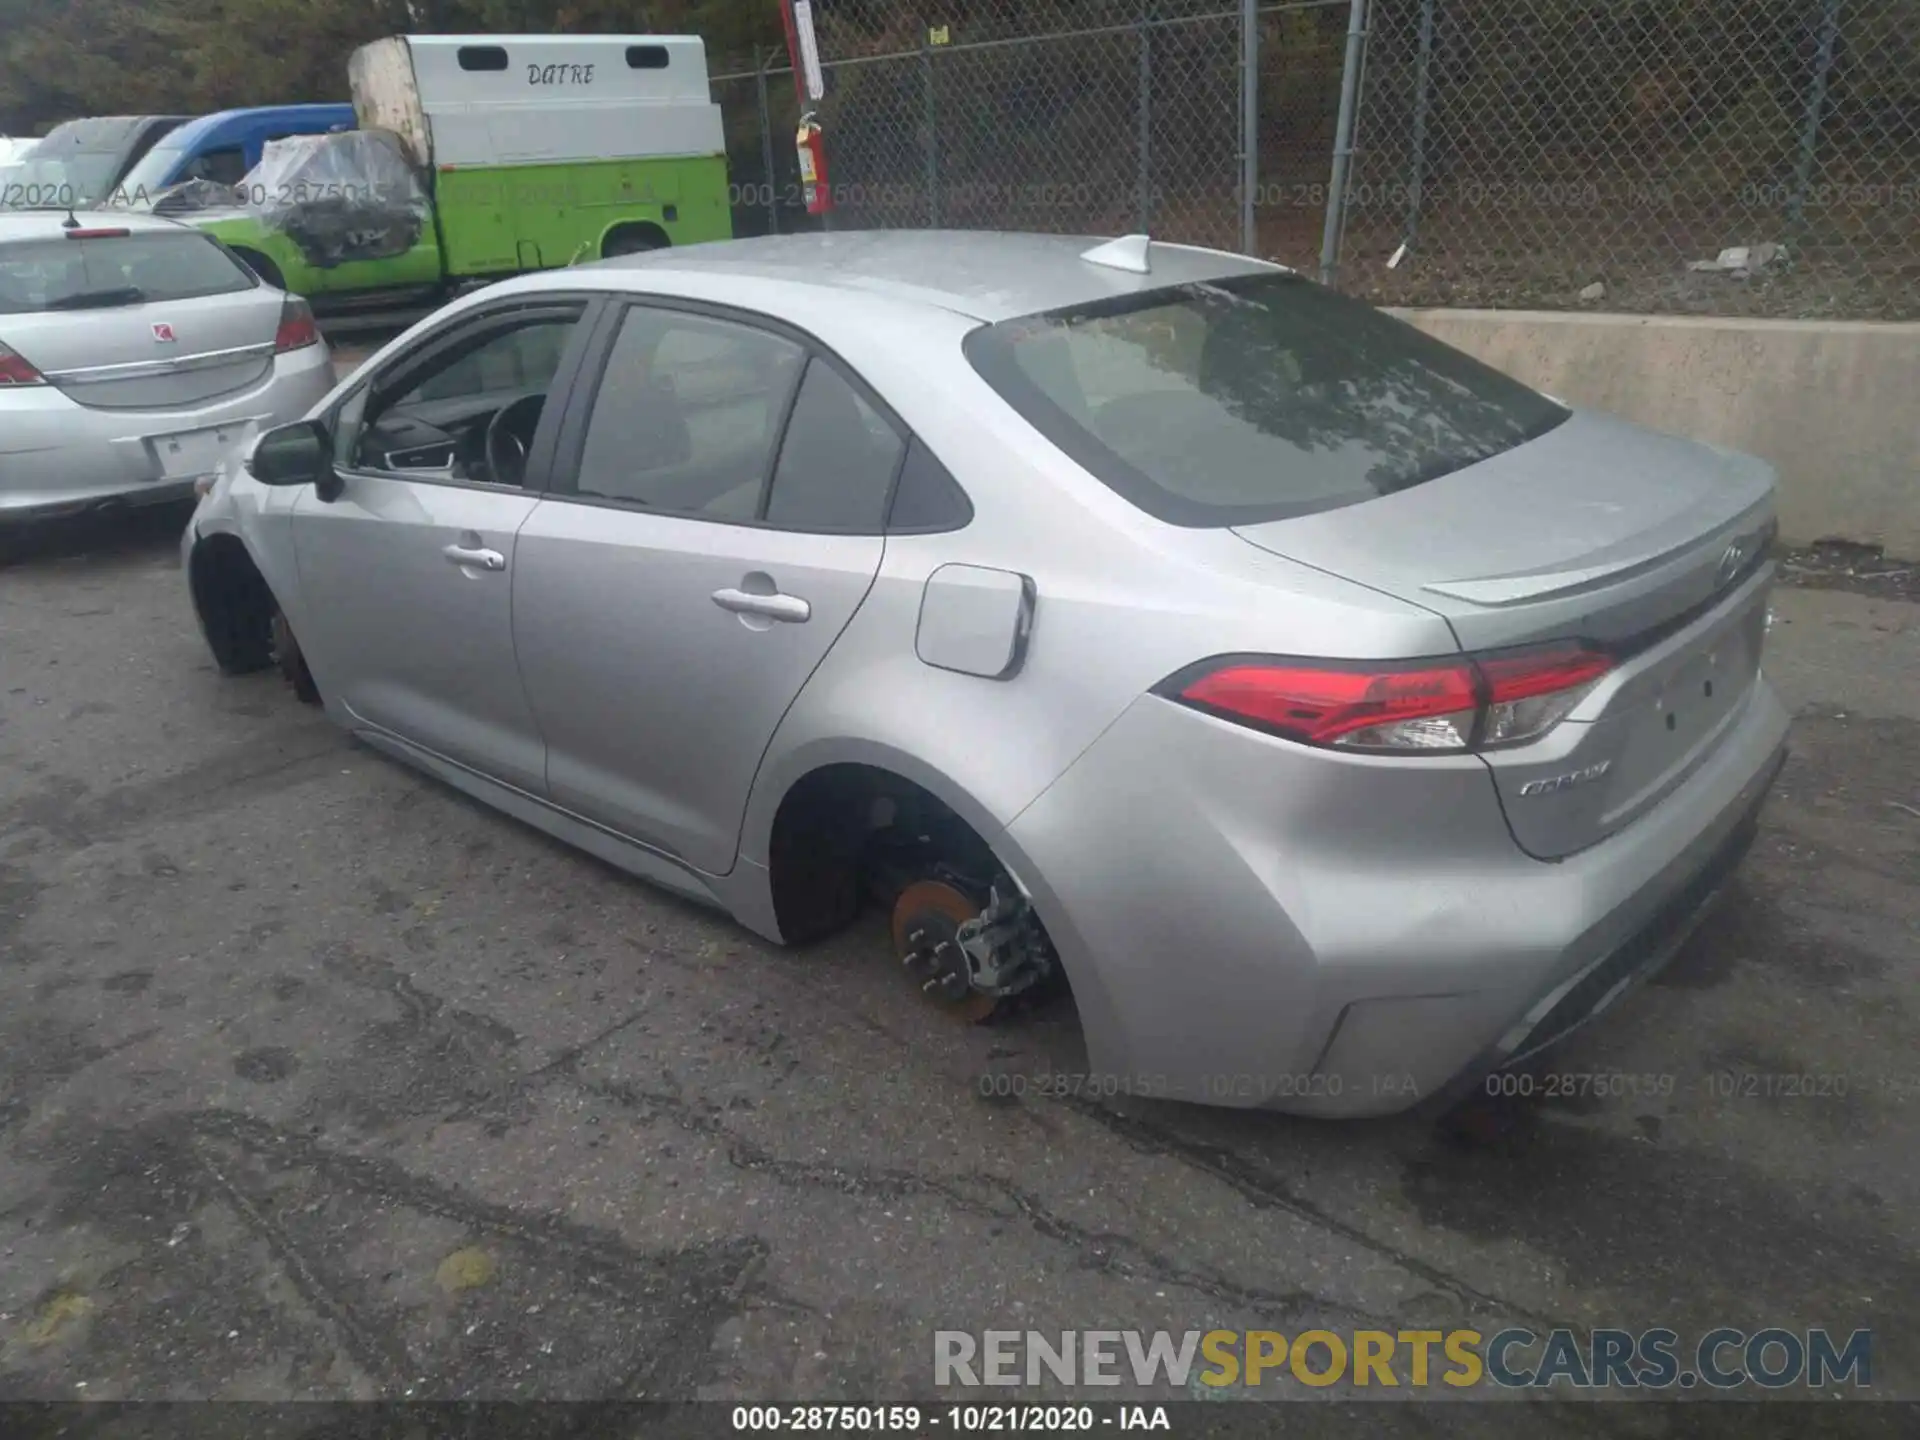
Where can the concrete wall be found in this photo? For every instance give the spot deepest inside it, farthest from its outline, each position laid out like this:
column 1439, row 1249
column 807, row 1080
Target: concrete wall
column 1834, row 405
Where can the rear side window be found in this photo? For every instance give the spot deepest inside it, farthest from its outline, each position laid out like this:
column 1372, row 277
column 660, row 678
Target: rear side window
column 927, row 498
column 142, row 268
column 1252, row 399
column 837, row 459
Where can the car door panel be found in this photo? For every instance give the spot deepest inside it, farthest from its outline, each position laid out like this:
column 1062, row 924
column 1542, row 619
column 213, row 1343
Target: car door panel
column 656, row 699
column 416, row 641
column 662, row 650
column 408, row 574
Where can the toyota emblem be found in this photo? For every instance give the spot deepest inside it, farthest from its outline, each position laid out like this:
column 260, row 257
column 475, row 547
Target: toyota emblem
column 162, row 333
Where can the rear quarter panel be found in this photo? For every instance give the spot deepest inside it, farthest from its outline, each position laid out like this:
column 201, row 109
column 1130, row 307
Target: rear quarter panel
column 1122, row 600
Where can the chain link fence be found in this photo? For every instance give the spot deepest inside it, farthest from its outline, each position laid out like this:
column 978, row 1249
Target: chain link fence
column 1712, row 156
column 1565, row 152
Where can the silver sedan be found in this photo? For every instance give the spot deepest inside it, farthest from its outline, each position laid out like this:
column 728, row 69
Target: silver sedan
column 1340, row 719
column 136, row 355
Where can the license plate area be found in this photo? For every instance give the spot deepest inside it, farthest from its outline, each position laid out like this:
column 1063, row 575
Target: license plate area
column 1702, row 689
column 190, row 454
column 1680, row 723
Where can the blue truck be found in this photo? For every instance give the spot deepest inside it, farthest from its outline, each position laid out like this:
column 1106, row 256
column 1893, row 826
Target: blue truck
column 109, row 158
column 223, row 147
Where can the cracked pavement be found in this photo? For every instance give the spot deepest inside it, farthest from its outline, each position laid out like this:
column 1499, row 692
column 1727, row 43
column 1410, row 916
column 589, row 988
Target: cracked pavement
column 319, row 1081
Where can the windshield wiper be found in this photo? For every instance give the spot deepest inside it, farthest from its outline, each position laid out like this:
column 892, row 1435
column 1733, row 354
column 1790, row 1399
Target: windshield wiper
column 99, row 299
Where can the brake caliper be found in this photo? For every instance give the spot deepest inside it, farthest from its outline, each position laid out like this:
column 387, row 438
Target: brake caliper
column 1006, row 949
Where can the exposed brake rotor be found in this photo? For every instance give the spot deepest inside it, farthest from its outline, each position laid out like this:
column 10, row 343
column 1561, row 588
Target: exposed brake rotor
column 926, row 921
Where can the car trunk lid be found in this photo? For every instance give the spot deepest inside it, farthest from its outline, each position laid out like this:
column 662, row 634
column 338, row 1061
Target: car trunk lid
column 149, row 320
column 1648, row 546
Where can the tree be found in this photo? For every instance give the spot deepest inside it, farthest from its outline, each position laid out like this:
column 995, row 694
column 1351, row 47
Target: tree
column 61, row 59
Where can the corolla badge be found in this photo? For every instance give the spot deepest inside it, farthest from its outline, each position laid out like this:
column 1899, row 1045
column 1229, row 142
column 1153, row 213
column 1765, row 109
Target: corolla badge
column 1564, row 782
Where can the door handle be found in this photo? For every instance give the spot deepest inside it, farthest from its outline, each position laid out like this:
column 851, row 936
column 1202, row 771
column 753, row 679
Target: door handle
column 479, row 559
column 790, row 608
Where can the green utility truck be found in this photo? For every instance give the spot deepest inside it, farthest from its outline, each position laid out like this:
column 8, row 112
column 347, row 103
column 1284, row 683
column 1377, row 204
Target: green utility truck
column 478, row 157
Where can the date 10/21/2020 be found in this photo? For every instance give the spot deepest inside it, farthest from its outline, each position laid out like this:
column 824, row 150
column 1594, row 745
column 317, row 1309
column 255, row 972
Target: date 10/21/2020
column 958, row 1419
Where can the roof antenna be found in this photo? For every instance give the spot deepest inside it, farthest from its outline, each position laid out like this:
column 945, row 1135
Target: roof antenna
column 71, row 222
column 1129, row 252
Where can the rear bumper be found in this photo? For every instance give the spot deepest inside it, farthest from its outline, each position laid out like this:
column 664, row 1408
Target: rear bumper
column 1585, row 996
column 1253, row 924
column 61, row 458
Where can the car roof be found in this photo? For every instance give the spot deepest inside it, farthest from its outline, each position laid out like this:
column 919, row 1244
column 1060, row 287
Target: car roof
column 985, row 275
column 101, row 132
column 48, row 224
column 205, row 126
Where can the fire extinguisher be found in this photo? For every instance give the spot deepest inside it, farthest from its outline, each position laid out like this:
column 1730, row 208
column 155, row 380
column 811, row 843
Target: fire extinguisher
column 812, row 147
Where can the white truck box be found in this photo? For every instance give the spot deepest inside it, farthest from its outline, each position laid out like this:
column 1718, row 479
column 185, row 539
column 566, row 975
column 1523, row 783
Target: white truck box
column 464, row 100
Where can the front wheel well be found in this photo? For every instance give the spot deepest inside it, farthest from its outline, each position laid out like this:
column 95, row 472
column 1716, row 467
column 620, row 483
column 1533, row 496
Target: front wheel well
column 235, row 605
column 241, row 617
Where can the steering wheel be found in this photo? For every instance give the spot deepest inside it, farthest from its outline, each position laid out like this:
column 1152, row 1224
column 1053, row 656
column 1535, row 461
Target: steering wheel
column 506, row 447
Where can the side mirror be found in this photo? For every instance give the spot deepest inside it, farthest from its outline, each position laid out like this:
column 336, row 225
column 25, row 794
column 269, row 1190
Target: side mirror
column 296, row 454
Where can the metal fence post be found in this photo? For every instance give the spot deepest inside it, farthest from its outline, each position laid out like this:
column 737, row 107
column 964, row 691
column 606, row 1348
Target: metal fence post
column 1421, row 83
column 766, row 144
column 931, row 120
column 1249, row 121
column 1143, row 109
column 1816, row 103
column 1343, row 140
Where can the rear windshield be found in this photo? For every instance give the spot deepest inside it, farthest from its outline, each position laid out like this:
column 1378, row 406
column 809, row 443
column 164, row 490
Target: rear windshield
column 55, row 177
column 63, row 274
column 1254, row 398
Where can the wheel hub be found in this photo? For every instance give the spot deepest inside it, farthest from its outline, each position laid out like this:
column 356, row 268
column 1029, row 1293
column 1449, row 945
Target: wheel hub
column 926, row 922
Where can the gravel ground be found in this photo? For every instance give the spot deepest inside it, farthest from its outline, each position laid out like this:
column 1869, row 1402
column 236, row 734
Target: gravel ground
column 1858, row 569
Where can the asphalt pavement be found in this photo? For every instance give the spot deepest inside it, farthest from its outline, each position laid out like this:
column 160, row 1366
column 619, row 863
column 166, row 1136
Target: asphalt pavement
column 318, row 1080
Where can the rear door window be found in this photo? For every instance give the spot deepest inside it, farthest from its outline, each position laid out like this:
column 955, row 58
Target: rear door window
column 141, row 268
column 1253, row 399
column 688, row 414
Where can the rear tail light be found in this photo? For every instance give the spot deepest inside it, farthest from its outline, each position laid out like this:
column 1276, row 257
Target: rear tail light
column 1531, row 691
column 297, row 330
column 14, row 370
column 1432, row 707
